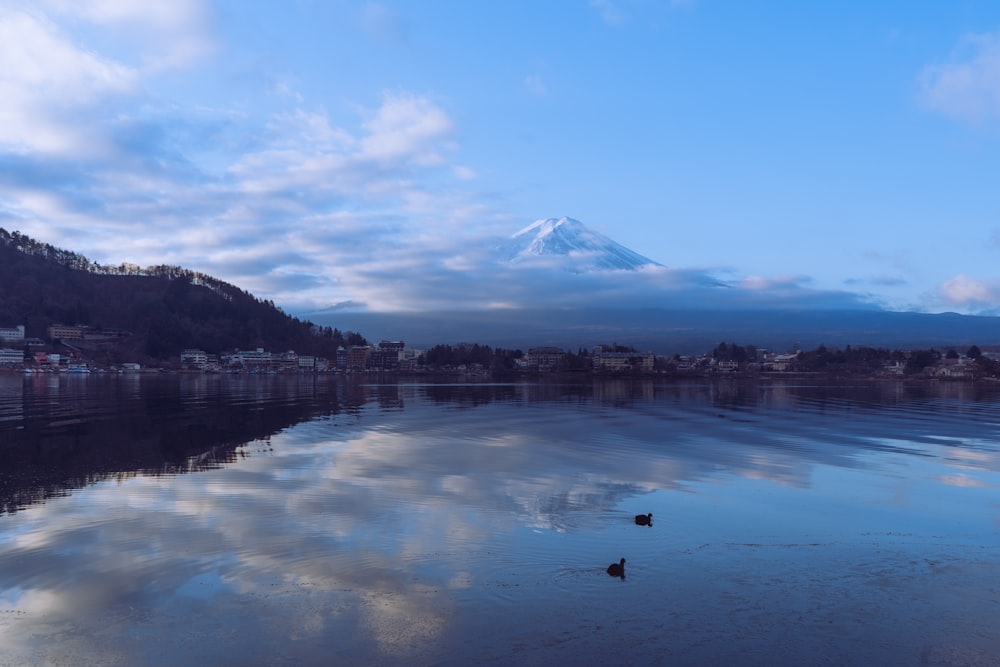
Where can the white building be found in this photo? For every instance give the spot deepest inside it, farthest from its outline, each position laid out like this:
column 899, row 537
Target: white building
column 11, row 357
column 12, row 334
column 194, row 358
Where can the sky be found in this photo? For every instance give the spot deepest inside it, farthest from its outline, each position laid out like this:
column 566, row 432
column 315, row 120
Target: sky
column 335, row 153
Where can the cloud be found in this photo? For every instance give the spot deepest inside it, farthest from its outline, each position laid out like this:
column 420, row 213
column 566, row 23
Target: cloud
column 970, row 293
column 296, row 205
column 166, row 35
column 535, row 85
column 965, row 481
column 50, row 88
column 608, row 10
column 968, row 87
column 405, row 128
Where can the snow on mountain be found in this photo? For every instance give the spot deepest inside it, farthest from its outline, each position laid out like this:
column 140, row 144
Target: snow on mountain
column 585, row 249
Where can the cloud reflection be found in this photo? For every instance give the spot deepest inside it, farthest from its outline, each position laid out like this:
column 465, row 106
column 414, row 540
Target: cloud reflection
column 365, row 534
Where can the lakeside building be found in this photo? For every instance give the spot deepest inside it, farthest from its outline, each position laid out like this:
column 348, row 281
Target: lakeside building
column 544, row 358
column 105, row 333
column 254, row 359
column 65, row 332
column 619, row 362
column 10, row 357
column 358, row 356
column 387, row 356
column 12, row 334
column 195, row 358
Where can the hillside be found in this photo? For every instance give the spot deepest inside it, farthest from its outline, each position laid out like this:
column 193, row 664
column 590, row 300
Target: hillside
column 165, row 308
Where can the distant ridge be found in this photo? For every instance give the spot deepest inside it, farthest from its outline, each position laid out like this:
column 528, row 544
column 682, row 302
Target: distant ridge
column 672, row 331
column 568, row 238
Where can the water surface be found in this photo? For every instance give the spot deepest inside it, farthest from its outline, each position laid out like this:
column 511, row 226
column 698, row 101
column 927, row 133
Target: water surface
column 288, row 521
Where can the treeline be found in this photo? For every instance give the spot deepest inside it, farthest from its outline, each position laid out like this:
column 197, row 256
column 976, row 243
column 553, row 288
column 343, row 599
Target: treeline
column 860, row 360
column 470, row 354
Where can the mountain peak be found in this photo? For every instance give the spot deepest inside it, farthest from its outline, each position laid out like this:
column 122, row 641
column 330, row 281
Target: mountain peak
column 568, row 238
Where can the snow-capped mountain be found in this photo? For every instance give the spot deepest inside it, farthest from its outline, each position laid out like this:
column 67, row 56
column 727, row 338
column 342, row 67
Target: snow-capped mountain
column 586, row 249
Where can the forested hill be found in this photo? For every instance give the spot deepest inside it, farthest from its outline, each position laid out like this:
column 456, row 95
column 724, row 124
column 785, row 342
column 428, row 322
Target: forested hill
column 165, row 308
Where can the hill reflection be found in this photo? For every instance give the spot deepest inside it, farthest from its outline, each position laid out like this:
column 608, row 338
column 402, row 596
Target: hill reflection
column 60, row 433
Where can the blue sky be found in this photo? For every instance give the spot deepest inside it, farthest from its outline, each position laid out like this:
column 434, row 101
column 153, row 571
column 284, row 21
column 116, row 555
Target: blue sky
column 321, row 153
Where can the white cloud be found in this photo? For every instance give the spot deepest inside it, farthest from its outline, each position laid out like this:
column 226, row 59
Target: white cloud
column 968, row 87
column 47, row 82
column 298, row 207
column 534, row 84
column 406, row 128
column 757, row 283
column 965, row 292
column 167, row 34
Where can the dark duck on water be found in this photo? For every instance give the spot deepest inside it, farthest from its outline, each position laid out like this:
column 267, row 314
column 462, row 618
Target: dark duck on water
column 644, row 519
column 617, row 569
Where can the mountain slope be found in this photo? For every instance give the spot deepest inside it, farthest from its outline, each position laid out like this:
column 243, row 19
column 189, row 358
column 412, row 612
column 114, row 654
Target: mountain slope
column 165, row 308
column 570, row 239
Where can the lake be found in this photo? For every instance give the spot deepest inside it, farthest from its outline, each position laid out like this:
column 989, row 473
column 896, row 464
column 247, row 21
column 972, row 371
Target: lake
column 234, row 520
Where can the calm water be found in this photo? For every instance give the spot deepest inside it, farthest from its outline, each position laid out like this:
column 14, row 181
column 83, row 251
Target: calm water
column 233, row 521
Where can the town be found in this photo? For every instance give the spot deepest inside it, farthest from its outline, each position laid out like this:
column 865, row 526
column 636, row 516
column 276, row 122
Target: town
column 65, row 350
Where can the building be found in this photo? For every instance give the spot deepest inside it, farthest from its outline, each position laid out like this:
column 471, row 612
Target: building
column 195, row 358
column 780, row 362
column 396, row 346
column 12, row 334
column 358, row 356
column 621, row 362
column 286, row 361
column 387, row 356
column 64, row 332
column 254, row 358
column 10, row 358
column 544, row 358
column 105, row 333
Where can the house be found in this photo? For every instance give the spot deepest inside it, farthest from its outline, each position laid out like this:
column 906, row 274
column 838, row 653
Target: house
column 779, row 362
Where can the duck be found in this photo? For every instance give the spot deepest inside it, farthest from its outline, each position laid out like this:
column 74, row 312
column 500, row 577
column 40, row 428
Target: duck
column 644, row 519
column 617, row 569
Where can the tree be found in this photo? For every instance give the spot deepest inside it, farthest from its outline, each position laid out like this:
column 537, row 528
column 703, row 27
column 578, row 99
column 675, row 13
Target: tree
column 921, row 359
